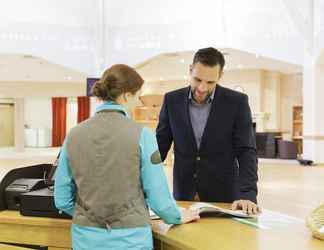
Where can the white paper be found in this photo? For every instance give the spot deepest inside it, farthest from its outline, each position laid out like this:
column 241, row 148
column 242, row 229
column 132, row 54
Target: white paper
column 203, row 207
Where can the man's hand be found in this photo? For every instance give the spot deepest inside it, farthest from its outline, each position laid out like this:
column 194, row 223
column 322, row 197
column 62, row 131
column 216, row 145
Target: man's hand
column 246, row 206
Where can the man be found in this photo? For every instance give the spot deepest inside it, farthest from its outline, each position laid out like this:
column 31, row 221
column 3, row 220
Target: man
column 212, row 131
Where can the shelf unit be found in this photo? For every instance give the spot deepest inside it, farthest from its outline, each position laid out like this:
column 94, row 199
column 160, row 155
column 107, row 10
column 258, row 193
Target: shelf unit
column 297, row 128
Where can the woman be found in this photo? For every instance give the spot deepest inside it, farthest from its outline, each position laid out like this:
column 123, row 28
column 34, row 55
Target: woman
column 110, row 170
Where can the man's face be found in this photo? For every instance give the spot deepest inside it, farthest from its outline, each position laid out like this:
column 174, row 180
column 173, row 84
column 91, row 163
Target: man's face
column 203, row 80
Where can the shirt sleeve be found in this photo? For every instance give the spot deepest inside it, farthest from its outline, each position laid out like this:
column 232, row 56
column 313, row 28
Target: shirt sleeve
column 154, row 180
column 64, row 185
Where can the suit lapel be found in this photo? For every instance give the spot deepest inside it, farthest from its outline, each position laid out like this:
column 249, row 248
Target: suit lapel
column 188, row 120
column 215, row 111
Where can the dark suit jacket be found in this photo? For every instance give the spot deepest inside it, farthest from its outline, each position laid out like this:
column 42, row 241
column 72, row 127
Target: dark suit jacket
column 224, row 169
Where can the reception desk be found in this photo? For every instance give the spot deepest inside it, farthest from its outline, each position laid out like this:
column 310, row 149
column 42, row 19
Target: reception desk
column 214, row 233
column 207, row 234
column 54, row 233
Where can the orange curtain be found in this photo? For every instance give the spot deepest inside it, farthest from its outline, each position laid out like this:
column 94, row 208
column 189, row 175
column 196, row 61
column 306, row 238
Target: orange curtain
column 83, row 108
column 59, row 120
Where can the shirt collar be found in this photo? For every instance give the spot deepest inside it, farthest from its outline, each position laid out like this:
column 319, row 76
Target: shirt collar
column 112, row 106
column 210, row 98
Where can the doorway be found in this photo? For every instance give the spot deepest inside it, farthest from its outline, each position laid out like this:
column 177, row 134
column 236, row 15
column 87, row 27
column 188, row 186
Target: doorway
column 6, row 124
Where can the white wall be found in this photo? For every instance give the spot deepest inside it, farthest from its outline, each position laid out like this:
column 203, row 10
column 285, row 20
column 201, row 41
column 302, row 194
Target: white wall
column 269, row 92
column 291, row 95
column 38, row 112
column 162, row 87
column 271, row 99
column 249, row 81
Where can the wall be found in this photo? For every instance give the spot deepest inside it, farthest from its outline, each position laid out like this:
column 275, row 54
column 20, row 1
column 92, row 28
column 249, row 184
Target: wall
column 6, row 124
column 162, row 87
column 41, row 89
column 271, row 99
column 249, row 81
column 271, row 93
column 38, row 112
column 291, row 95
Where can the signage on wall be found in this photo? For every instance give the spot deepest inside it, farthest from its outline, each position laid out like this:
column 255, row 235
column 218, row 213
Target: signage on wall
column 90, row 82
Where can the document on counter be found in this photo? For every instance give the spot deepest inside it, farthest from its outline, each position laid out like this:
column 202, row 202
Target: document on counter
column 207, row 208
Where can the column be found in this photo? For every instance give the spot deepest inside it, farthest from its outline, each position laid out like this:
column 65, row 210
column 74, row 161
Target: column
column 19, row 123
column 313, row 103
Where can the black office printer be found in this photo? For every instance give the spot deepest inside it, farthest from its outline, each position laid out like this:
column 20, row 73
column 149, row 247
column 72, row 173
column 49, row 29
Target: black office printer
column 10, row 176
column 15, row 189
column 40, row 202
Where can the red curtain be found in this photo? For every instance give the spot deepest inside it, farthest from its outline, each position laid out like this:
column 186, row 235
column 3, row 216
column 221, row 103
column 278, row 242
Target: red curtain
column 59, row 120
column 83, row 108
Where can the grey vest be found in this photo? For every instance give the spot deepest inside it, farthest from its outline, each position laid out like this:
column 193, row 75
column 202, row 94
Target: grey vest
column 104, row 155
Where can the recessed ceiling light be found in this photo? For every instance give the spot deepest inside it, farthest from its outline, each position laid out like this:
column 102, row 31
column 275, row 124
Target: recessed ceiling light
column 182, row 60
column 161, row 79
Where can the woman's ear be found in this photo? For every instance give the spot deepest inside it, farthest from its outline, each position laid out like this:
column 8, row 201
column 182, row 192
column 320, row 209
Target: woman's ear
column 127, row 96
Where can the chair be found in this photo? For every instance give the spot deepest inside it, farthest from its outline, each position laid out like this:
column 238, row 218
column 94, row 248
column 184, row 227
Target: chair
column 266, row 145
column 287, row 149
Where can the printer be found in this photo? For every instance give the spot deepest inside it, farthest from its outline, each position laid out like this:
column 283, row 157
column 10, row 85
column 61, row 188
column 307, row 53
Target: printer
column 16, row 188
column 40, row 201
column 17, row 180
column 30, row 190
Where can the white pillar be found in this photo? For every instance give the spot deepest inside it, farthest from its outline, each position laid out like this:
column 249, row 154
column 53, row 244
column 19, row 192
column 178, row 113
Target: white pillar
column 271, row 100
column 313, row 114
column 19, row 124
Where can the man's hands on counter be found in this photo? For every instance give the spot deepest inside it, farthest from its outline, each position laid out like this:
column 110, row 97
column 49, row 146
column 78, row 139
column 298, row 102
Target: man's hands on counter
column 246, row 206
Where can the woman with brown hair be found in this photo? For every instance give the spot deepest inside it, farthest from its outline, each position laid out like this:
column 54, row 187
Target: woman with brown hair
column 110, row 171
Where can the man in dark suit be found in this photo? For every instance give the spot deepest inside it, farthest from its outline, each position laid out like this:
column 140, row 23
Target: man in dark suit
column 214, row 143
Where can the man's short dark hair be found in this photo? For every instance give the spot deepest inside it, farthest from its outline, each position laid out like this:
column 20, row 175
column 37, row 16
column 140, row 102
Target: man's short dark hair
column 210, row 57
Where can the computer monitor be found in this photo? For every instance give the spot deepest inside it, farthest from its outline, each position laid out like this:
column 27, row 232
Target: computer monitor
column 90, row 82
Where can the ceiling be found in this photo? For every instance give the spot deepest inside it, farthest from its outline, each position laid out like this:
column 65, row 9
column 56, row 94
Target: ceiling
column 173, row 66
column 30, row 76
column 27, row 68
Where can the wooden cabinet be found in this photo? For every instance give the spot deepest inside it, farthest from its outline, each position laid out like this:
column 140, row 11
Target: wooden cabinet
column 297, row 128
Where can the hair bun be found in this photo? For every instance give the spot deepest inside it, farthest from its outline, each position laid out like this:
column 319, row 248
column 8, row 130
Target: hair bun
column 116, row 80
